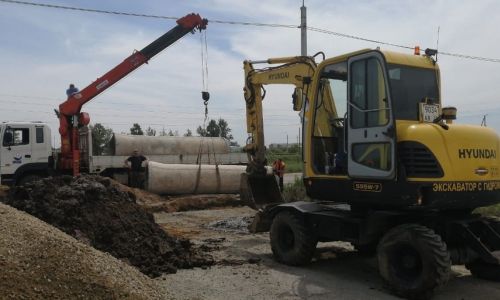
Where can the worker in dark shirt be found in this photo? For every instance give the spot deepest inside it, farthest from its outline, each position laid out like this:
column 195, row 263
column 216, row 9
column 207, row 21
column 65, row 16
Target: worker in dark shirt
column 136, row 171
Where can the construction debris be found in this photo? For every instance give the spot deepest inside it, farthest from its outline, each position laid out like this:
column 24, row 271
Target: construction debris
column 97, row 211
column 234, row 224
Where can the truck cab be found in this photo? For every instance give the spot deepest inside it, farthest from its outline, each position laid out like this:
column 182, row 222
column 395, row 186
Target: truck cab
column 25, row 151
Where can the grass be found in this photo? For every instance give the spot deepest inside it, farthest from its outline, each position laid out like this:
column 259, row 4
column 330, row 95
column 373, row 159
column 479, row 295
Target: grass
column 493, row 210
column 293, row 161
column 295, row 191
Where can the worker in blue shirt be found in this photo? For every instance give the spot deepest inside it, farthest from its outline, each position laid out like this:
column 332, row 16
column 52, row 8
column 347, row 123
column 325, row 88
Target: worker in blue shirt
column 71, row 90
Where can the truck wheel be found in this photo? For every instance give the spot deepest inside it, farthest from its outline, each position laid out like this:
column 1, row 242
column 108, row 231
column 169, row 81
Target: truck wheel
column 413, row 260
column 292, row 242
column 29, row 178
column 484, row 270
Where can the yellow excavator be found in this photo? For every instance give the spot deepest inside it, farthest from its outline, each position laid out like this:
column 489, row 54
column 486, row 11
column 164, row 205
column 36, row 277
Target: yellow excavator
column 387, row 168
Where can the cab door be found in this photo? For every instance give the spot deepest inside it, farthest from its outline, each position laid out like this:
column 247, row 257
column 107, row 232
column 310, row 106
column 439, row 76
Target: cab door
column 16, row 148
column 370, row 127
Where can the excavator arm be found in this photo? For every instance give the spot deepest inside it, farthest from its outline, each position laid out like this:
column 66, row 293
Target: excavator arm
column 70, row 116
column 257, row 187
column 296, row 71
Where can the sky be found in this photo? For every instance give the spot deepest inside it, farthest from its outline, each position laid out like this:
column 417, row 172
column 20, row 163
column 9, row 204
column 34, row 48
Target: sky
column 44, row 49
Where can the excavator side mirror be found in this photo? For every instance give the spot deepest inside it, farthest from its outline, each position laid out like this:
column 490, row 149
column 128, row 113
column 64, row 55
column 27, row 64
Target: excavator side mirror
column 297, row 99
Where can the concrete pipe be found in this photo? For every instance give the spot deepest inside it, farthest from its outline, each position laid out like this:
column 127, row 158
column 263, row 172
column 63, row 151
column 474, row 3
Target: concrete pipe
column 123, row 145
column 175, row 179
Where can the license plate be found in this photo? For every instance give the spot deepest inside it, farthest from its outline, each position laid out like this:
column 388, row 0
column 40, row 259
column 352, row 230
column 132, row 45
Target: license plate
column 429, row 112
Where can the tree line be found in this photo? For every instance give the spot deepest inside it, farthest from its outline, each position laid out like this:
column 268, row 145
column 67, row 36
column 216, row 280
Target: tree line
column 101, row 135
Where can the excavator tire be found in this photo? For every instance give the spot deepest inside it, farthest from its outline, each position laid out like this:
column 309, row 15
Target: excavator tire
column 292, row 242
column 413, row 261
column 482, row 269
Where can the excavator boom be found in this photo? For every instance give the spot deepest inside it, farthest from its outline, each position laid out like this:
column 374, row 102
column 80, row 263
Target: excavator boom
column 257, row 187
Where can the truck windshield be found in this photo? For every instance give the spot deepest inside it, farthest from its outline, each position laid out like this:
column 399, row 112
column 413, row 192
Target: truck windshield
column 409, row 86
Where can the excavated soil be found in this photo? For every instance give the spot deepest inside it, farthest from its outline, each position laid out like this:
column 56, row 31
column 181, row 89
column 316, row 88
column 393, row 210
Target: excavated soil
column 186, row 202
column 99, row 212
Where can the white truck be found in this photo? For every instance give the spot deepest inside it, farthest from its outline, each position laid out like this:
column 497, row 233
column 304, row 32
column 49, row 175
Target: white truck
column 27, row 154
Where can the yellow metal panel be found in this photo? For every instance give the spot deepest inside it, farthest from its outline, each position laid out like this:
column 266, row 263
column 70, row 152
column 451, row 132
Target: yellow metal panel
column 409, row 60
column 456, row 149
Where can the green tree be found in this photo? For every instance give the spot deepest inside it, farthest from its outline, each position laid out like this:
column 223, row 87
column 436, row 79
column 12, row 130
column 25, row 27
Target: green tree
column 224, row 130
column 136, row 130
column 150, row 131
column 201, row 131
column 173, row 133
column 188, row 133
column 214, row 128
column 100, row 138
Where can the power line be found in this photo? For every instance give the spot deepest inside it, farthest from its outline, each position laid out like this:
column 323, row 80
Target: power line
column 120, row 13
column 349, row 36
column 111, row 12
column 314, row 29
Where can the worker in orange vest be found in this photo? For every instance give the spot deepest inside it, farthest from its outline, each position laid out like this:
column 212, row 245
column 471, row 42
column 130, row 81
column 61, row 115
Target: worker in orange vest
column 279, row 170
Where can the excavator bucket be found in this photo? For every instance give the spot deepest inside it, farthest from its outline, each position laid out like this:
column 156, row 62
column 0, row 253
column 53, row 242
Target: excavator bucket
column 259, row 191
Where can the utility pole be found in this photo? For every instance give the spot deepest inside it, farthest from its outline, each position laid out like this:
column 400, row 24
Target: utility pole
column 303, row 30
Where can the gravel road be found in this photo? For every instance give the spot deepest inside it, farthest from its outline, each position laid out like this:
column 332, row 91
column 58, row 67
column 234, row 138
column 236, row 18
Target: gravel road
column 246, row 269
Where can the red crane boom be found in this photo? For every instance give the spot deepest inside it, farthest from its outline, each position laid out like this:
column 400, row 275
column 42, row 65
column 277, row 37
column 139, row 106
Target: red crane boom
column 70, row 116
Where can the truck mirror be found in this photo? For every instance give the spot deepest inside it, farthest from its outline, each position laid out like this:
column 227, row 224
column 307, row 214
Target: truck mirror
column 297, row 99
column 8, row 137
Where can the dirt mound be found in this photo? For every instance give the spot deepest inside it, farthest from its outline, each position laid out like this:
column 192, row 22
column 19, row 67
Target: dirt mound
column 96, row 211
column 189, row 202
column 38, row 261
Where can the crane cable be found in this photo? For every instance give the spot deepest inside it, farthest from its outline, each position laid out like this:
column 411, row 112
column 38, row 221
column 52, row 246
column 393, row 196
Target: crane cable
column 205, row 96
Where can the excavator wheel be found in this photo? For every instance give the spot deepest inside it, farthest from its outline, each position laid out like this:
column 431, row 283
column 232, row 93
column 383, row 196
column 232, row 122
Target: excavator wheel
column 482, row 269
column 292, row 242
column 413, row 260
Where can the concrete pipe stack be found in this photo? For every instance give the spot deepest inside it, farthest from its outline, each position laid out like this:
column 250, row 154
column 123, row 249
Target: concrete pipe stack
column 123, row 145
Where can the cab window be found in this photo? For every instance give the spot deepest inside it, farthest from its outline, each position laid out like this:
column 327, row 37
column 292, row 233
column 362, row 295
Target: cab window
column 369, row 103
column 329, row 111
column 39, row 135
column 16, row 137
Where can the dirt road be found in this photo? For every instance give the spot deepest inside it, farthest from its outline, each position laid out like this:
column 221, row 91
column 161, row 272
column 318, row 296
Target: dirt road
column 246, row 270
